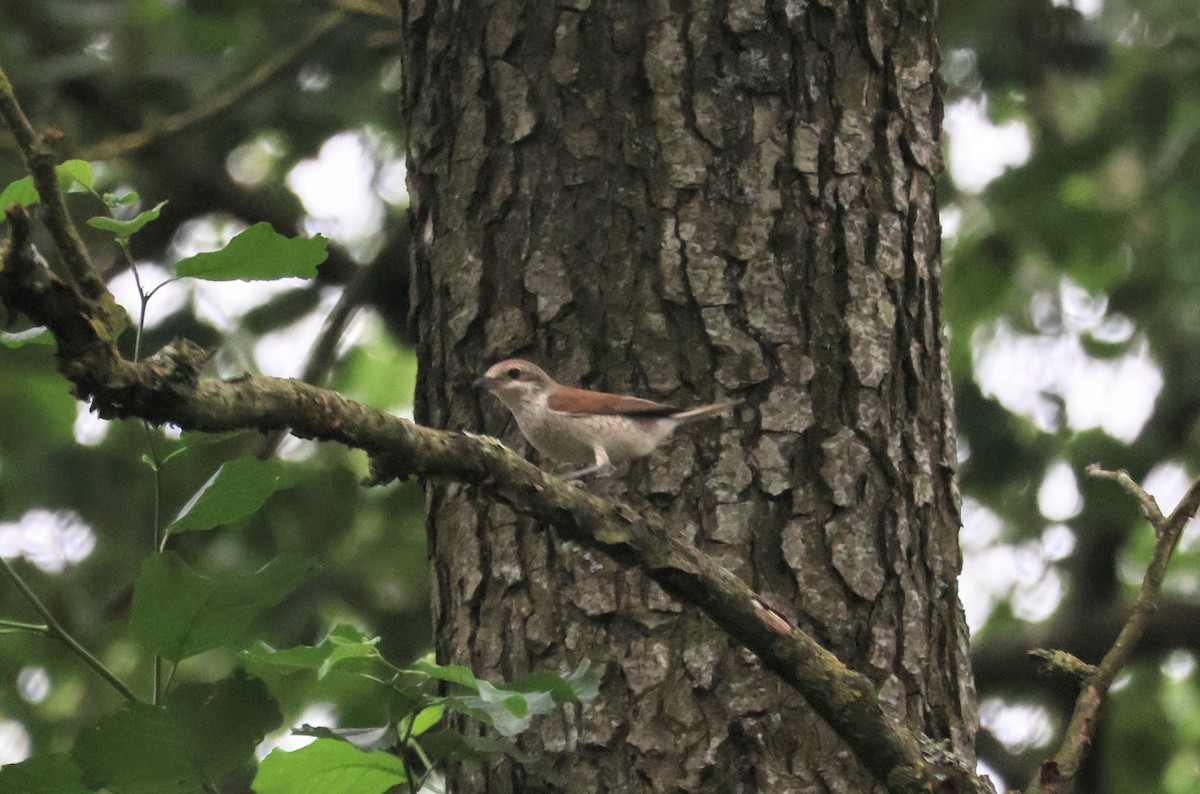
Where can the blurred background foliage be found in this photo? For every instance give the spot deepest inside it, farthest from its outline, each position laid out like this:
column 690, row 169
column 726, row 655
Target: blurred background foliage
column 1072, row 289
column 1072, row 262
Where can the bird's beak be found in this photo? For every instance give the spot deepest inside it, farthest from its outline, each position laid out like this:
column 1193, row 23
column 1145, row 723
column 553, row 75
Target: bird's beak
column 482, row 382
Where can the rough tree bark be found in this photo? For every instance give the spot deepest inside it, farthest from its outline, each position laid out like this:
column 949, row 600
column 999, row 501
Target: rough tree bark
column 693, row 201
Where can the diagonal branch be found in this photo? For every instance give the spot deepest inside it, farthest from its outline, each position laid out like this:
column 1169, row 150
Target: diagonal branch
column 1058, row 773
column 166, row 388
column 54, row 629
column 220, row 102
column 37, row 149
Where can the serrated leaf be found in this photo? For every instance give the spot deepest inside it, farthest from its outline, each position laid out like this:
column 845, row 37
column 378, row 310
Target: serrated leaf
column 328, row 766
column 199, row 736
column 342, row 643
column 123, row 230
column 178, row 612
column 46, row 773
column 234, row 491
column 39, row 335
column 258, row 254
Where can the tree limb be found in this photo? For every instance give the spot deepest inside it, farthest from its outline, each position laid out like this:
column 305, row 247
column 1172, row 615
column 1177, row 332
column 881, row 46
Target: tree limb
column 1058, row 773
column 166, row 388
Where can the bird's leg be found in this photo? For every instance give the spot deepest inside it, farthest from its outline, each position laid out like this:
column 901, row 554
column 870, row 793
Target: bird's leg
column 602, row 464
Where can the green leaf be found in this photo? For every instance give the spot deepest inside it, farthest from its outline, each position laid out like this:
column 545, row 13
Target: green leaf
column 75, row 172
column 20, row 192
column 178, row 612
column 344, row 642
column 47, row 773
column 258, row 254
column 510, row 710
column 328, row 766
column 426, row 718
column 507, row 712
column 123, row 230
column 368, row 740
column 123, row 200
column 453, row 673
column 224, row 723
column 199, row 736
column 514, row 702
column 24, row 193
column 580, row 686
column 39, row 335
column 138, row 748
column 234, row 491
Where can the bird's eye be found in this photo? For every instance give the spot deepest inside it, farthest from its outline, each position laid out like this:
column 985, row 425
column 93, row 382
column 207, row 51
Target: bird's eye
column 514, row 373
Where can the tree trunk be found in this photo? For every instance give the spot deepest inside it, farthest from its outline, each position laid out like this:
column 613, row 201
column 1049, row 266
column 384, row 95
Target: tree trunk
column 694, row 201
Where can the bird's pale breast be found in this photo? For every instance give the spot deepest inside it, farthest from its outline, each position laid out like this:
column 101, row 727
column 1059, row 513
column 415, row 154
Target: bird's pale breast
column 569, row 438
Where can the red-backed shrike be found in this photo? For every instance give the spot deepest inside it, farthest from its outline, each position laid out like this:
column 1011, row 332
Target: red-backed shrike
column 579, row 426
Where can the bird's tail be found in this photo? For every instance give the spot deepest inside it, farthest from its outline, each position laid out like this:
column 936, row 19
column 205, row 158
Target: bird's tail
column 703, row 411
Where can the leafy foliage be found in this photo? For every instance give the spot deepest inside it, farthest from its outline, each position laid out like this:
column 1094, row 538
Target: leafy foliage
column 72, row 173
column 1077, row 270
column 257, row 254
column 178, row 612
column 328, row 765
column 235, row 490
column 124, row 230
column 233, row 567
column 198, row 736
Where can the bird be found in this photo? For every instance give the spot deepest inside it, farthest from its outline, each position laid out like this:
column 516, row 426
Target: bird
column 578, row 426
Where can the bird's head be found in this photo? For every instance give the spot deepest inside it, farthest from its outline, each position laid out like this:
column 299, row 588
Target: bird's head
column 516, row 383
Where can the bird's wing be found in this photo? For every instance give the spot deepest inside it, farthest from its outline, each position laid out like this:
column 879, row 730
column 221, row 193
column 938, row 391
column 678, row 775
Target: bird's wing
column 581, row 401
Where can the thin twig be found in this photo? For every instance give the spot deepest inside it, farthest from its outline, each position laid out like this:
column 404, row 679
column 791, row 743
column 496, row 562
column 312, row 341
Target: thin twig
column 20, row 627
column 39, row 159
column 55, row 629
column 1058, row 773
column 220, row 102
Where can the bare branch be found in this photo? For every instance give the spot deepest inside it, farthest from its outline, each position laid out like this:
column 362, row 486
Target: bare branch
column 1058, row 773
